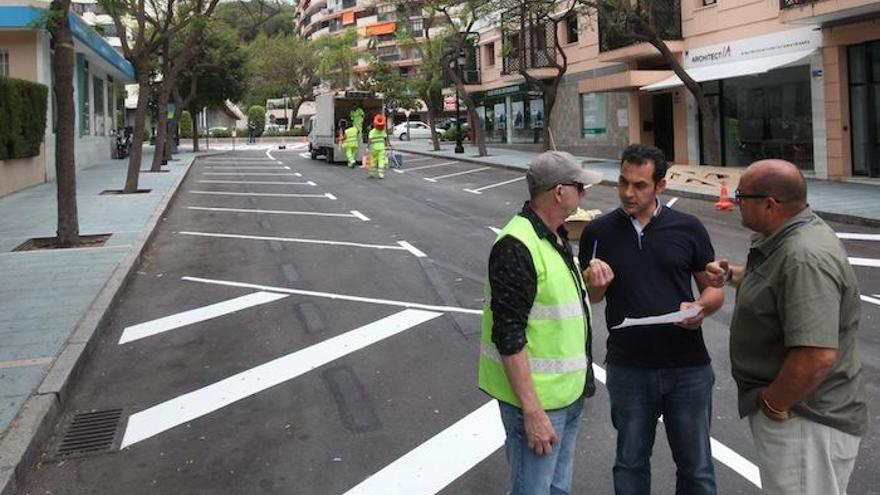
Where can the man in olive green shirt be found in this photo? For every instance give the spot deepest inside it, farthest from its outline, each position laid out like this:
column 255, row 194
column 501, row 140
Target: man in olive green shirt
column 793, row 337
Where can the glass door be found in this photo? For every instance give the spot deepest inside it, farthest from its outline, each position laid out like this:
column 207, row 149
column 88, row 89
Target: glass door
column 864, row 97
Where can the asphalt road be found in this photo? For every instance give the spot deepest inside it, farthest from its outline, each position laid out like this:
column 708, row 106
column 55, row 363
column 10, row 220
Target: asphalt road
column 265, row 347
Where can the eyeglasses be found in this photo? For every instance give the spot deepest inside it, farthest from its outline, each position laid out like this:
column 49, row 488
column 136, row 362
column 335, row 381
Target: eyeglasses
column 580, row 187
column 738, row 196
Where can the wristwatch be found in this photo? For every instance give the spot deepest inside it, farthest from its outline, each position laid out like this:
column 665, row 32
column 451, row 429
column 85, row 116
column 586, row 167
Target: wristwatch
column 770, row 411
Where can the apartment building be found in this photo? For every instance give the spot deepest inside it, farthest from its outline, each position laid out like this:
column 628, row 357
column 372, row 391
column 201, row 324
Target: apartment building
column 791, row 79
column 99, row 75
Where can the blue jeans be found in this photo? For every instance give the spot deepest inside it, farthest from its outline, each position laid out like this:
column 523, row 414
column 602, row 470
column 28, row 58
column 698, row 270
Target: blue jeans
column 684, row 397
column 531, row 474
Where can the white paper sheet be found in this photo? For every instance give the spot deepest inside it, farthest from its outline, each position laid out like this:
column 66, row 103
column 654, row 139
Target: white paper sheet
column 673, row 317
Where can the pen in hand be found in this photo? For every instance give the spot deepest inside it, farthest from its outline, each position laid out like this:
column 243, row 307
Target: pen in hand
column 595, row 247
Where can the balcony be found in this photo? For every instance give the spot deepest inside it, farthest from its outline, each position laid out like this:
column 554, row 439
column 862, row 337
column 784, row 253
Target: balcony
column 824, row 12
column 539, row 43
column 666, row 17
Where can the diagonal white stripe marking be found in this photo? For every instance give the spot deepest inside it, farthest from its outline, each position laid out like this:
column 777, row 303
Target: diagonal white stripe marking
column 859, row 237
column 409, row 247
column 872, row 300
column 444, row 164
column 248, row 173
column 160, row 325
column 479, row 189
column 872, row 262
column 456, row 174
column 334, row 296
column 299, row 240
column 671, row 202
column 431, row 466
column 495, row 229
column 360, row 215
column 271, row 195
column 187, row 407
column 279, row 212
column 330, row 196
column 261, row 182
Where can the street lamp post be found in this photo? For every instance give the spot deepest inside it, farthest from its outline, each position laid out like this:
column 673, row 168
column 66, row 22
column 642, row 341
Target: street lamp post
column 286, row 123
column 459, row 62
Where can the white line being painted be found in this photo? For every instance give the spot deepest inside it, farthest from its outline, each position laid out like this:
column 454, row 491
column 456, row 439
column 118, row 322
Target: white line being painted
column 873, row 300
column 480, row 189
column 334, row 296
column 420, row 159
column 402, row 245
column 360, row 215
column 671, row 202
column 433, row 465
column 269, row 154
column 403, row 171
column 270, row 195
column 495, row 229
column 858, row 237
column 261, row 182
column 722, row 453
column 160, row 325
column 330, row 196
column 872, row 262
column 248, row 173
column 162, row 417
column 243, row 168
column 280, row 212
column 439, row 177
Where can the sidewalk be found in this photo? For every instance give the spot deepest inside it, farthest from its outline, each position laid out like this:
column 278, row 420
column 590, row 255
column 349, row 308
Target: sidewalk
column 847, row 202
column 52, row 301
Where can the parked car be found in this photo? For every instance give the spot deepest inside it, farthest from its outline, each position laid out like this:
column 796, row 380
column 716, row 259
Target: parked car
column 417, row 130
column 219, row 131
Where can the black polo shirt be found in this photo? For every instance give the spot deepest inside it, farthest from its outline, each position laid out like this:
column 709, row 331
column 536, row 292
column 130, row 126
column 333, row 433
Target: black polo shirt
column 652, row 276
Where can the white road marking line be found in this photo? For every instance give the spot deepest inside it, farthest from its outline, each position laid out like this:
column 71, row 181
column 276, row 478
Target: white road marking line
column 279, row 212
column 166, row 415
column 218, row 167
column 279, row 162
column 330, row 196
column 495, row 229
column 433, row 465
column 269, row 154
column 286, row 167
column 160, row 325
column 304, row 155
column 360, row 215
column 872, row 262
column 21, row 363
column 420, row 159
column 334, row 296
column 859, row 237
column 412, row 249
column 399, row 247
column 247, row 173
column 439, row 177
column 401, row 171
column 721, row 452
column 271, row 195
column 873, row 300
column 479, row 189
column 671, row 202
column 263, row 182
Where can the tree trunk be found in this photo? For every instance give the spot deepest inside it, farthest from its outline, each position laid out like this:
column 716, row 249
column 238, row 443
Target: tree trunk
column 479, row 136
column 432, row 120
column 550, row 94
column 137, row 142
column 175, row 127
column 161, row 126
column 65, row 161
column 195, row 128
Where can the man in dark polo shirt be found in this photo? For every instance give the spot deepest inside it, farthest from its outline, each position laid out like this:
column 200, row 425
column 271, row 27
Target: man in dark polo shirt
column 642, row 258
column 793, row 337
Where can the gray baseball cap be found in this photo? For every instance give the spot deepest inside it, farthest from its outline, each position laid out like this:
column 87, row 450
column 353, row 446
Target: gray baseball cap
column 557, row 167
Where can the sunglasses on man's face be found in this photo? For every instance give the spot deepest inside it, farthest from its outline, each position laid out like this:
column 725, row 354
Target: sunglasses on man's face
column 738, row 196
column 580, row 187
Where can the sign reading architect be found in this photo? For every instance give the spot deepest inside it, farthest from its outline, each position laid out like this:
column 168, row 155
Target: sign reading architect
column 793, row 40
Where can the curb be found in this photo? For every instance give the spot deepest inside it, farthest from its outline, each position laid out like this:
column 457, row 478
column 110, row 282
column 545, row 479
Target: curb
column 34, row 423
column 690, row 194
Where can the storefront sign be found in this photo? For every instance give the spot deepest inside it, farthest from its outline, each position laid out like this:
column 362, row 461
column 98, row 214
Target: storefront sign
column 505, row 90
column 794, row 40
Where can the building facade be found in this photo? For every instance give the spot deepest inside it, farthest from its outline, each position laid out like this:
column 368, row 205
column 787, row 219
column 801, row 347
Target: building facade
column 99, row 77
column 796, row 80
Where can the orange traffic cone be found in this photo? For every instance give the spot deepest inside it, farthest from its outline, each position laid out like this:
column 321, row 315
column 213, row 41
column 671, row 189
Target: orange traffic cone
column 724, row 203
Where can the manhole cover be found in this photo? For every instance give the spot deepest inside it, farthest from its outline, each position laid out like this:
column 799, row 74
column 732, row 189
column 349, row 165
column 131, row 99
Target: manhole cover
column 90, row 433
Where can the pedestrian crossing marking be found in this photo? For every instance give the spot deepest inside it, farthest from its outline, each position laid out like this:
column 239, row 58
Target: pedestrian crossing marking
column 193, row 405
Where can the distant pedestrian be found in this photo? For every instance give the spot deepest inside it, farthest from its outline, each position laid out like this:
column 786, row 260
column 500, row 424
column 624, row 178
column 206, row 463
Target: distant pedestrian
column 378, row 141
column 252, row 132
column 793, row 337
column 535, row 348
column 643, row 258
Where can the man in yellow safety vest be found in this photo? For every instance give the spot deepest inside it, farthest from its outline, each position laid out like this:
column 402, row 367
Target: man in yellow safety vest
column 350, row 141
column 378, row 139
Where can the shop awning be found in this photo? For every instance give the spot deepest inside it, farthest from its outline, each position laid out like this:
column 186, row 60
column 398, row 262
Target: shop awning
column 382, row 28
column 734, row 69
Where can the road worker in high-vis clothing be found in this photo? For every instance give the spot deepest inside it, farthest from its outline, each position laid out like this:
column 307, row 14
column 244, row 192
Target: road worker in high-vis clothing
column 350, row 144
column 378, row 140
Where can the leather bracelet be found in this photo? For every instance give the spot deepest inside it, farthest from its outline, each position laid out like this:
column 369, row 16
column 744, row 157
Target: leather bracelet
column 772, row 412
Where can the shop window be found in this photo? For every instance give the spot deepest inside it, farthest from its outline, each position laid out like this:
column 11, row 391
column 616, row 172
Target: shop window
column 489, row 54
column 4, row 63
column 98, row 90
column 571, row 28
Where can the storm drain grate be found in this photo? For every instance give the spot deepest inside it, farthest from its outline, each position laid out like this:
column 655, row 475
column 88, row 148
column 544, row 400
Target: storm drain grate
column 90, row 432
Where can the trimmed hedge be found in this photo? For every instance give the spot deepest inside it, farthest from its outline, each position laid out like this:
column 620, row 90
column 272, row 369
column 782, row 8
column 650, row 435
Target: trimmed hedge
column 23, row 125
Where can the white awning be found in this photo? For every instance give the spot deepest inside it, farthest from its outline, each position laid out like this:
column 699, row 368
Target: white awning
column 734, row 69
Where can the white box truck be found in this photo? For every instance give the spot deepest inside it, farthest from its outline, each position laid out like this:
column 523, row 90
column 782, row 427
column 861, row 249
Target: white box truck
column 332, row 108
